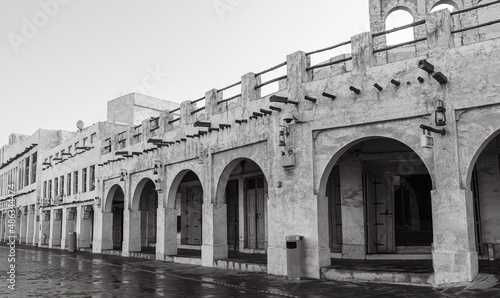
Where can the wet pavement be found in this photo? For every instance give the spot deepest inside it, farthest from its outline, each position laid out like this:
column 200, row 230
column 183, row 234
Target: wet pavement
column 42, row 272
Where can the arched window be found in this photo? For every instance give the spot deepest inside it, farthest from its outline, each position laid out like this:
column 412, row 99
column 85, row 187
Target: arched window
column 399, row 18
column 437, row 7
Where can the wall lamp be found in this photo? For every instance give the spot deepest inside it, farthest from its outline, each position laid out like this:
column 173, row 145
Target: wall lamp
column 123, row 173
column 283, row 134
column 440, row 114
column 156, row 167
column 97, row 201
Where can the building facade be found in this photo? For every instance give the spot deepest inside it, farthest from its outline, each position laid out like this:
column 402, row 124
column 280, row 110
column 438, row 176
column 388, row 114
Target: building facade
column 387, row 152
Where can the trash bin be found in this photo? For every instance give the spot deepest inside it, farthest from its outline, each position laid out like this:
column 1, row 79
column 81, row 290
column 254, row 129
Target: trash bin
column 295, row 256
column 72, row 241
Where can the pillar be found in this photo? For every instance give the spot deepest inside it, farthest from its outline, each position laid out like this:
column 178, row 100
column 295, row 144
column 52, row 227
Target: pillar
column 166, row 241
column 297, row 76
column 30, row 224
column 103, row 231
column 83, row 227
column 362, row 52
column 214, row 244
column 454, row 254
column 23, row 228
column 353, row 216
column 131, row 231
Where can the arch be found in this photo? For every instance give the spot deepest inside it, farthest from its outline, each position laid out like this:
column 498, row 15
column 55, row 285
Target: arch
column 174, row 185
column 365, row 175
column 108, row 205
column 333, row 160
column 444, row 4
column 220, row 195
column 396, row 17
column 476, row 155
column 136, row 198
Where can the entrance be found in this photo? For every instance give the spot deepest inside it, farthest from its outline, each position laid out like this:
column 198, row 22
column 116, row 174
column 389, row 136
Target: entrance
column 232, row 197
column 399, row 211
column 255, row 216
column 117, row 208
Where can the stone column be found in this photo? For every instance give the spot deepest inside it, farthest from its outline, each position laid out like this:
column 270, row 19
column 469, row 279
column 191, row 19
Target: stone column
column 83, row 228
column 297, row 76
column 30, row 225
column 439, row 38
column 362, row 52
column 24, row 223
column 64, row 230
column 166, row 241
column 103, row 237
column 211, row 106
column 454, row 254
column 214, row 233
column 131, row 231
column 185, row 112
column 353, row 216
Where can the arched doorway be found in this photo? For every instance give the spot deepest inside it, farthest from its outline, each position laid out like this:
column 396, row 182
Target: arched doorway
column 145, row 201
column 484, row 182
column 188, row 204
column 379, row 200
column 117, row 205
column 244, row 187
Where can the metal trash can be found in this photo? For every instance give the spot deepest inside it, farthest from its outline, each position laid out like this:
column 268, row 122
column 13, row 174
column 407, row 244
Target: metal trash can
column 72, row 241
column 295, row 256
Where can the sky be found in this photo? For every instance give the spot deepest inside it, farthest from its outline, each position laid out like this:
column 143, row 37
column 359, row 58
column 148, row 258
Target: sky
column 62, row 60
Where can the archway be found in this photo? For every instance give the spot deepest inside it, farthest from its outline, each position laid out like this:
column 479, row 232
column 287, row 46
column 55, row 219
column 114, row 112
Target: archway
column 484, row 182
column 244, row 189
column 145, row 201
column 399, row 16
column 188, row 204
column 115, row 206
column 379, row 200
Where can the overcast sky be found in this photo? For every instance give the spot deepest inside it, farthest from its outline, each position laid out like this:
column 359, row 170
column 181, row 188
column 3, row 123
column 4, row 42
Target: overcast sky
column 62, row 60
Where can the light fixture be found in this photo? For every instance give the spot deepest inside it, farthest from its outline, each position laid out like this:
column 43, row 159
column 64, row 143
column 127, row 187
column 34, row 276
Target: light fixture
column 440, row 114
column 283, row 134
column 97, row 201
column 155, row 170
column 123, row 173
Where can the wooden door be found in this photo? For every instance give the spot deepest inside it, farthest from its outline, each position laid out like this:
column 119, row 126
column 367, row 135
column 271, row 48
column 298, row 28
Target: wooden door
column 380, row 209
column 117, row 226
column 334, row 210
column 251, row 218
column 191, row 210
column 232, row 214
column 261, row 218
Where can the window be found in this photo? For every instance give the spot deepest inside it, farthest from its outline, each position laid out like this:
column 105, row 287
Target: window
column 44, row 189
column 92, row 178
column 92, row 138
column 399, row 18
column 68, row 190
column 21, row 174
column 57, row 155
column 75, row 182
column 49, row 189
column 56, row 187
column 62, row 185
column 85, row 141
column 84, row 180
column 26, row 171
column 33, row 167
column 69, row 148
column 77, row 144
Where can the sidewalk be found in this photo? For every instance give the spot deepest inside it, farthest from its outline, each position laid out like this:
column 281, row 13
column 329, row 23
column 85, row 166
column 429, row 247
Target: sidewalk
column 252, row 284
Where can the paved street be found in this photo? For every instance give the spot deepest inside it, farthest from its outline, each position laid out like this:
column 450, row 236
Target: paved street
column 56, row 273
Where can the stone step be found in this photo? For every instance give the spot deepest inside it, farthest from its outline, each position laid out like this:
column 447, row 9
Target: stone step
column 377, row 276
column 240, row 266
